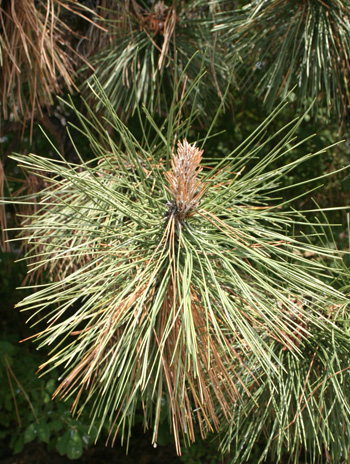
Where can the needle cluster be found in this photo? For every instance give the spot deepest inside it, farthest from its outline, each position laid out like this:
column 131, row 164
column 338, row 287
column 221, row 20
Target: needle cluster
column 214, row 327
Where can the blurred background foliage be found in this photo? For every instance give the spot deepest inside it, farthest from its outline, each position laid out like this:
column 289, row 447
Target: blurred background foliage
column 253, row 53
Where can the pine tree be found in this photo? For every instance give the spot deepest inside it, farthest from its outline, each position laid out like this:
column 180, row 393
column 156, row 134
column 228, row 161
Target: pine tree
column 168, row 280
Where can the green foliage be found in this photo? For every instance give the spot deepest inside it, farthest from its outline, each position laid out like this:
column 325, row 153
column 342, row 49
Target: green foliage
column 10, row 274
column 205, row 452
column 28, row 413
column 287, row 43
column 149, row 48
column 302, row 408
